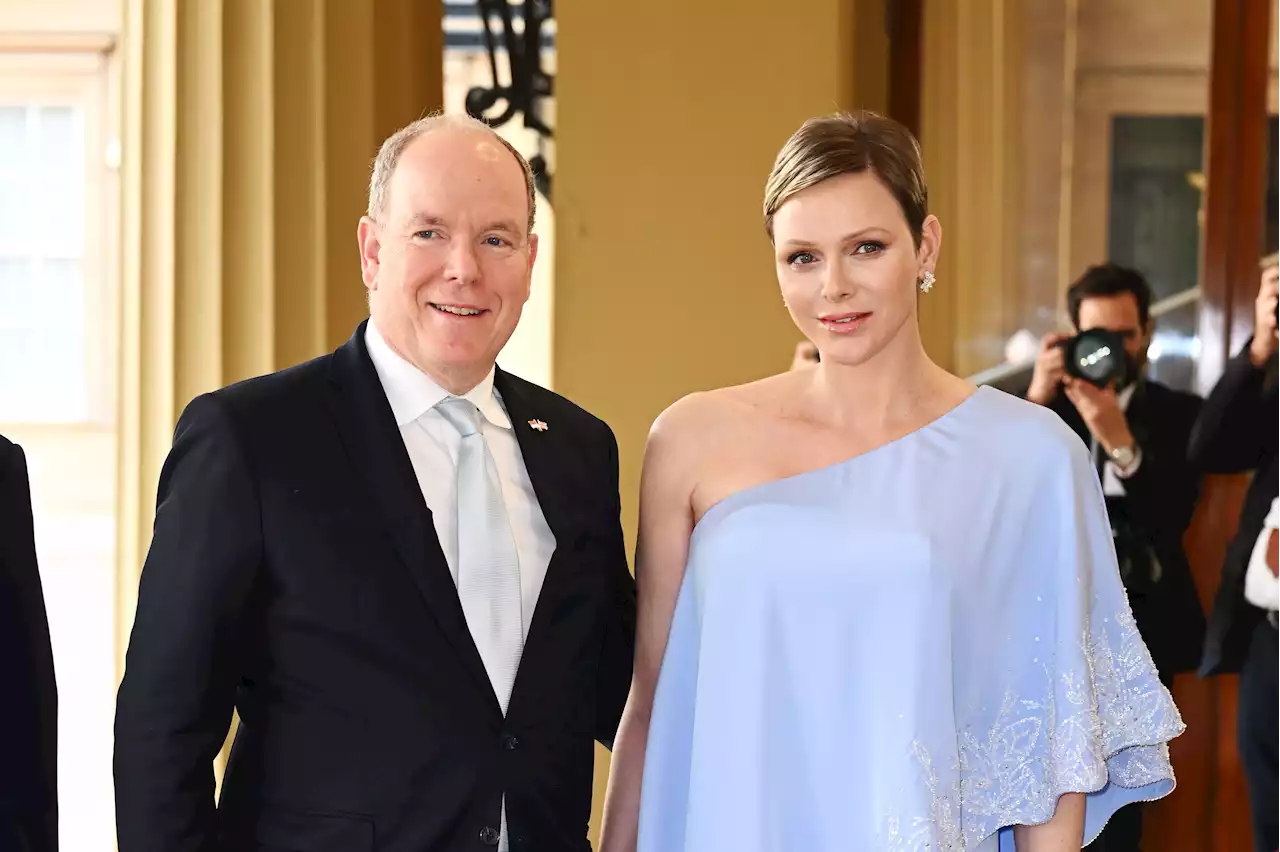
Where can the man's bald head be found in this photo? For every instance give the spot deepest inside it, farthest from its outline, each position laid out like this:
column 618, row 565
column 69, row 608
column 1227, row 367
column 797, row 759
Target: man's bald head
column 384, row 165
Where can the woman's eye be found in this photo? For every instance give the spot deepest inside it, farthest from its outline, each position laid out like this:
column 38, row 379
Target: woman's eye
column 801, row 257
column 425, row 235
column 869, row 248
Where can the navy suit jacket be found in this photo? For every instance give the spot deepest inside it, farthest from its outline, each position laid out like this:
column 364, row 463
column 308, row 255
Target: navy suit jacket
column 295, row 575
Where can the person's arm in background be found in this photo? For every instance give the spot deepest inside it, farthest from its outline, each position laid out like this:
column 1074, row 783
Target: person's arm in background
column 1161, row 488
column 29, row 710
column 1237, row 426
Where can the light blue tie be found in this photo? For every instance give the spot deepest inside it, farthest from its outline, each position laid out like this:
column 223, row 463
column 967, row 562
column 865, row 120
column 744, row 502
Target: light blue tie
column 488, row 563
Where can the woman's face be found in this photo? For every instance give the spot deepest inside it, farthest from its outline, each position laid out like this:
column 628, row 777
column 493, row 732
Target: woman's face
column 848, row 266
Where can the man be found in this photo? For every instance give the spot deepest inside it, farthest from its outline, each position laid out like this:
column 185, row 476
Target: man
column 1236, row 432
column 29, row 710
column 1138, row 431
column 402, row 566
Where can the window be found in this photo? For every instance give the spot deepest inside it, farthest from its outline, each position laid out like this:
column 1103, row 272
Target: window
column 57, row 320
column 43, row 370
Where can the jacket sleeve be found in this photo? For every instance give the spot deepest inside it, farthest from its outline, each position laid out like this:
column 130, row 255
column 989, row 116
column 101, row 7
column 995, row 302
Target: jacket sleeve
column 613, row 678
column 1237, row 425
column 175, row 702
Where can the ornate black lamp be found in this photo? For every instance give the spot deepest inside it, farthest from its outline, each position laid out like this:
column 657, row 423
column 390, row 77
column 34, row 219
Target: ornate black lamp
column 528, row 84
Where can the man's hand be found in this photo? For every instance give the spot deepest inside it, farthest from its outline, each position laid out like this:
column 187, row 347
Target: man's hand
column 1051, row 369
column 1264, row 318
column 1101, row 412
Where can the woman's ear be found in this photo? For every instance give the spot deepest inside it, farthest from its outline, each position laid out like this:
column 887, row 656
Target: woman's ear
column 930, row 243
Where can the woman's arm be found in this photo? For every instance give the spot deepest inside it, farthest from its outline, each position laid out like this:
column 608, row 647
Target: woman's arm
column 666, row 522
column 1064, row 832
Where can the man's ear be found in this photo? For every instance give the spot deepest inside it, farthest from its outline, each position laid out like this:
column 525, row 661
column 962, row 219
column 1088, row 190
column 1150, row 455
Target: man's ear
column 369, row 235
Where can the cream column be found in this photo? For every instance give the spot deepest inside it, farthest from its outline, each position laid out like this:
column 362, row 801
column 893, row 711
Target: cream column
column 969, row 133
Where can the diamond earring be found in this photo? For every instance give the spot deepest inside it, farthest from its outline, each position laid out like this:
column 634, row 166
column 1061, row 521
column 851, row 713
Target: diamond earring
column 926, row 282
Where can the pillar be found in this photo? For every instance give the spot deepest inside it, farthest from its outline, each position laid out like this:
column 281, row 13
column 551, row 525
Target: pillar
column 969, row 133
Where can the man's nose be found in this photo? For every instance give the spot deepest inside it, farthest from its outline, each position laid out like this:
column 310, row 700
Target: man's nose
column 463, row 264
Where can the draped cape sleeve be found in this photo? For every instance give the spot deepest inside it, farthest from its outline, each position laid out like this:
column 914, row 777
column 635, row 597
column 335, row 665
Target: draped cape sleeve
column 1072, row 702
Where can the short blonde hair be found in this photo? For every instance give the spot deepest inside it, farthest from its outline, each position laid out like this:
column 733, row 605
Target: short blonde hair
column 384, row 165
column 845, row 143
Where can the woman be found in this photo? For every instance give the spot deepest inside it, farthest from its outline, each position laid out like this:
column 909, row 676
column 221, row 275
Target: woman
column 879, row 608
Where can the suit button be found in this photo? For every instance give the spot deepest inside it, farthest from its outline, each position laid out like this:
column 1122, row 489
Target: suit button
column 510, row 743
column 489, row 836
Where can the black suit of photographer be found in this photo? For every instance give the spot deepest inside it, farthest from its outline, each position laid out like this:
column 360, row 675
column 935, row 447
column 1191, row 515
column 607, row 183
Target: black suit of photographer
column 1149, row 521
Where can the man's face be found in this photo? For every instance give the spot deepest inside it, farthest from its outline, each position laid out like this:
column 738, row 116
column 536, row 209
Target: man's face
column 448, row 267
column 1118, row 313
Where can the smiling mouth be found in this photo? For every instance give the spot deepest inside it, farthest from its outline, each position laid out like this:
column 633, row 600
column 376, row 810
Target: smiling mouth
column 846, row 323
column 457, row 310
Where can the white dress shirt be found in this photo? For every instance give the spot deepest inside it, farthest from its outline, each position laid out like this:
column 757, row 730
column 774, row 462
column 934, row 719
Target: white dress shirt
column 432, row 444
column 433, row 449
column 1261, row 588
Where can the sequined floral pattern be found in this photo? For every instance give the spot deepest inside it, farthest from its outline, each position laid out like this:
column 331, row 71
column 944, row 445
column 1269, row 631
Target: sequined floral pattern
column 1109, row 722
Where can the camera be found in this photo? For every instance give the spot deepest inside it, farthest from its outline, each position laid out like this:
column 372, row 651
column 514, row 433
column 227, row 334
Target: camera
column 1097, row 356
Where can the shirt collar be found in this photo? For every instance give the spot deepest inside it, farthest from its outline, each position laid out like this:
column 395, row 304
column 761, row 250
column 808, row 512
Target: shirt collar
column 413, row 393
column 1122, row 398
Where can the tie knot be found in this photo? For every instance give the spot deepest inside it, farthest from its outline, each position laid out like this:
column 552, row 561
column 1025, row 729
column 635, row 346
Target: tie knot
column 461, row 414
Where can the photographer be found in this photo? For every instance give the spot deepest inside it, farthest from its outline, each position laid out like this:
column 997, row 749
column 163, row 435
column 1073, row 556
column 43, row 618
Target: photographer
column 1236, row 433
column 1138, row 432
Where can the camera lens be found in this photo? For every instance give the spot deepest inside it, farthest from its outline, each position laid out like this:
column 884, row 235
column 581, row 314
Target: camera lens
column 1096, row 356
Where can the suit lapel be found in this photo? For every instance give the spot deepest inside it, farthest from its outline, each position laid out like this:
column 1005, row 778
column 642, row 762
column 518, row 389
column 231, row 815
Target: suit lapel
column 547, row 455
column 364, row 420
column 543, row 454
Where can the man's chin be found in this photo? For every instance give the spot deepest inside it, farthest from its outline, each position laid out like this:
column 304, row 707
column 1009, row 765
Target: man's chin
column 461, row 358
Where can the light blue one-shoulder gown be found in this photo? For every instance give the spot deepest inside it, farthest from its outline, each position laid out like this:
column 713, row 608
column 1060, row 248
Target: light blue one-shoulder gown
column 914, row 649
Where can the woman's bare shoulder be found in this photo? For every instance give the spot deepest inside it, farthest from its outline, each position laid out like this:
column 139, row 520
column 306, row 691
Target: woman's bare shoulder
column 720, row 413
